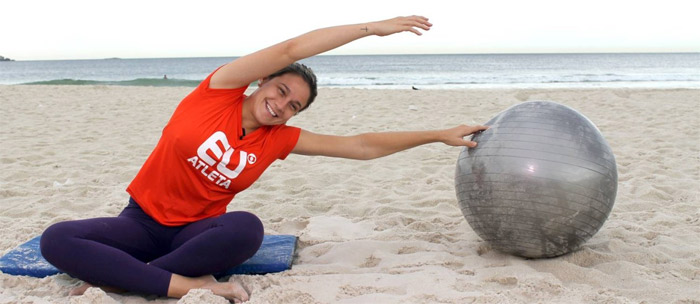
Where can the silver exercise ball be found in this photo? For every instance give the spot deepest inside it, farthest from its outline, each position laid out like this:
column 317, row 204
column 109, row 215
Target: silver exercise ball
column 540, row 183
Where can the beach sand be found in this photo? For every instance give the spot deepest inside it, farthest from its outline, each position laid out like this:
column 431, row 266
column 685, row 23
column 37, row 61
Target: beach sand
column 382, row 231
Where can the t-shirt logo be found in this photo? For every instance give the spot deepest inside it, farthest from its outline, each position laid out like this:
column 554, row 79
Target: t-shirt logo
column 252, row 158
column 216, row 168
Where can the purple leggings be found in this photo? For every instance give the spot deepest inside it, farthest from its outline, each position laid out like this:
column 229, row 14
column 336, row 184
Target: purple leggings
column 136, row 253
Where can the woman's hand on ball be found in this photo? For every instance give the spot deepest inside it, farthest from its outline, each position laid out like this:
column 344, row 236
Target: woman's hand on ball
column 455, row 136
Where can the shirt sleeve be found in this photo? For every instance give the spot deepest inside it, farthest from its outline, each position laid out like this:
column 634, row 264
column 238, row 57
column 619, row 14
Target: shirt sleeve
column 206, row 90
column 204, row 99
column 287, row 137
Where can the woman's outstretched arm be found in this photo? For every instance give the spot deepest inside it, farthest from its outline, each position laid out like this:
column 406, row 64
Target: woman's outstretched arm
column 373, row 145
column 262, row 63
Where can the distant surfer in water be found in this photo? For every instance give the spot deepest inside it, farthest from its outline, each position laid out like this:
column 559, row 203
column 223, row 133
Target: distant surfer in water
column 175, row 231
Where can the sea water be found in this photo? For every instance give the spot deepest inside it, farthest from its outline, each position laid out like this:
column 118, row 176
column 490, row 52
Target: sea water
column 443, row 71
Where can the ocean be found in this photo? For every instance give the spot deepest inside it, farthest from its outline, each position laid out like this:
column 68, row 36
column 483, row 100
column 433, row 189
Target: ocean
column 444, row 71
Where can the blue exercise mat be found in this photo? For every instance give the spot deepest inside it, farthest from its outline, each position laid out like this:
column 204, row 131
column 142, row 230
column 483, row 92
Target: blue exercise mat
column 275, row 255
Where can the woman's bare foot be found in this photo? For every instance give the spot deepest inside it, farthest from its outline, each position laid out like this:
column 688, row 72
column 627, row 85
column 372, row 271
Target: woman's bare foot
column 233, row 291
column 180, row 286
column 230, row 290
column 80, row 290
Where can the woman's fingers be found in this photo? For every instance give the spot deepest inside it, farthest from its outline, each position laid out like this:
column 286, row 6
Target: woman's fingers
column 403, row 24
column 415, row 22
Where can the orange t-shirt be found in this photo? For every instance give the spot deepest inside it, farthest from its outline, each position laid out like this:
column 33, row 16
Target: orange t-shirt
column 201, row 162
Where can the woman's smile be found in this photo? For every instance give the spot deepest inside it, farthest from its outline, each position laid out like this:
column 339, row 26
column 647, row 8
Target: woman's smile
column 269, row 109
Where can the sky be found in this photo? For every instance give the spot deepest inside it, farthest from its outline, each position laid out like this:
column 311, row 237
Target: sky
column 81, row 29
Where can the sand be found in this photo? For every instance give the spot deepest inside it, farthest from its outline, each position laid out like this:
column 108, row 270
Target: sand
column 382, row 231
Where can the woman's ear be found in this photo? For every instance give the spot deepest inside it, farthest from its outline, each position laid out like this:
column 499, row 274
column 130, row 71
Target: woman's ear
column 261, row 81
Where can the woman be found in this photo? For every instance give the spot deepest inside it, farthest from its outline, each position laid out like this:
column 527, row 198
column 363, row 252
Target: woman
column 175, row 232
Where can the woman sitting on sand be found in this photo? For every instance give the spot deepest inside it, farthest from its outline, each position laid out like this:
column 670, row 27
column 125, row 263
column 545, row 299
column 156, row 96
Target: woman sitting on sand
column 175, row 232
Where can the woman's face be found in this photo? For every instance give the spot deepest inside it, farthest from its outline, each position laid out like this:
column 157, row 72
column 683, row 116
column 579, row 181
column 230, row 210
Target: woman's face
column 279, row 98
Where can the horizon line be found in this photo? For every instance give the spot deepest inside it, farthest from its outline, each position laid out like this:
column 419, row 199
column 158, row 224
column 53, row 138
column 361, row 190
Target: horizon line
column 376, row 54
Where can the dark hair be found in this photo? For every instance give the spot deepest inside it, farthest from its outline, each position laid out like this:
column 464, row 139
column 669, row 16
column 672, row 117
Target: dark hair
column 305, row 73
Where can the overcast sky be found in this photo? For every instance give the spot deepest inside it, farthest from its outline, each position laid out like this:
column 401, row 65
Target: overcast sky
column 81, row 29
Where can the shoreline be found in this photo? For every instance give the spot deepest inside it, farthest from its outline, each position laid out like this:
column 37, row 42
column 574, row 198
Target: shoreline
column 159, row 82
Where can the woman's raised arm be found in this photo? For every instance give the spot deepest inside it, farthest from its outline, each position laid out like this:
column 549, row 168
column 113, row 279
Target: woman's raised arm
column 262, row 63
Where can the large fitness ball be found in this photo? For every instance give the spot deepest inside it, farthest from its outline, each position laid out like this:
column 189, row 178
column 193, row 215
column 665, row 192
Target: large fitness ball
column 540, row 183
